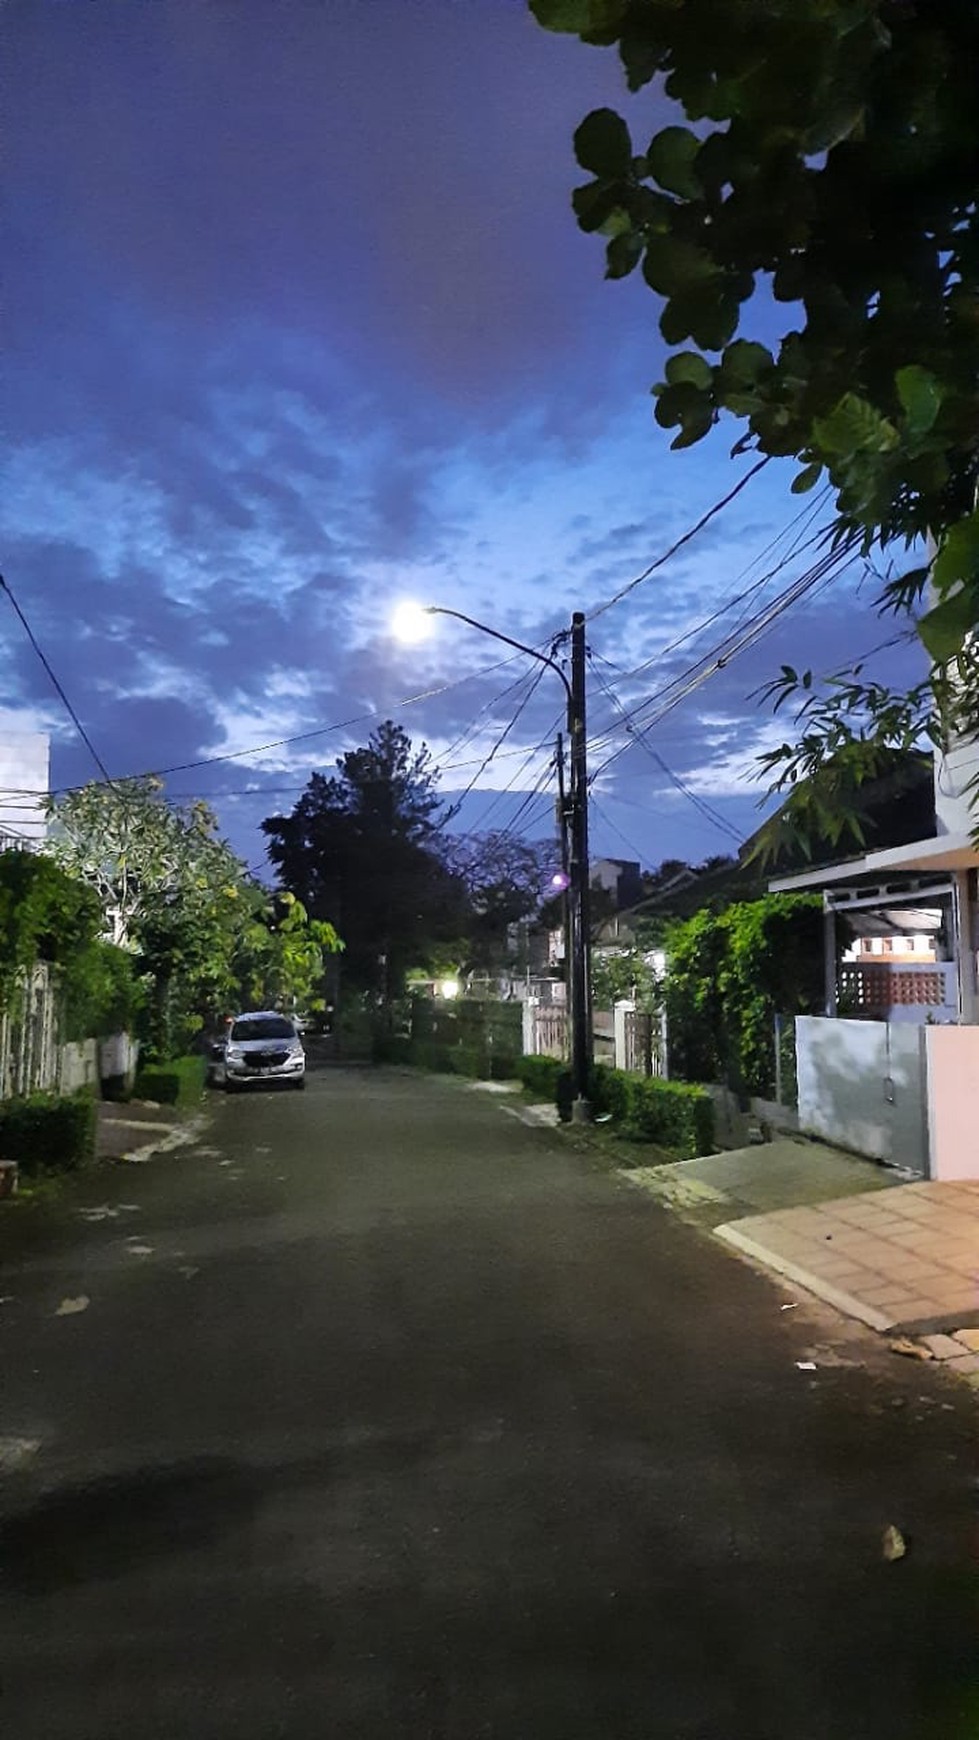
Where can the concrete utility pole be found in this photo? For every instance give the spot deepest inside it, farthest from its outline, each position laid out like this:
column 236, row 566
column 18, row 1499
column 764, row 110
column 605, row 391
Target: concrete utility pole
column 578, row 889
column 581, row 1027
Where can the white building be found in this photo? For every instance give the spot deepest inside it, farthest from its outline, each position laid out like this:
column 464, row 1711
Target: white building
column 25, row 777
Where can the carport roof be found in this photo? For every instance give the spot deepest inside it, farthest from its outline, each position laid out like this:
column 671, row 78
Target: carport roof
column 944, row 852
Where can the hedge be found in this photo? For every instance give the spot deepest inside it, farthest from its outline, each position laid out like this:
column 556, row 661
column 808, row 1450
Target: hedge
column 673, row 1114
column 48, row 1132
column 177, row 1083
column 468, row 1060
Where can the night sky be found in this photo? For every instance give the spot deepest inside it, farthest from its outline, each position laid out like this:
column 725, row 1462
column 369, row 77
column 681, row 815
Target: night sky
column 299, row 325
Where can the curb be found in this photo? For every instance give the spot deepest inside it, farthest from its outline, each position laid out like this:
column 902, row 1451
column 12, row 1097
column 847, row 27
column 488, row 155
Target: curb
column 844, row 1302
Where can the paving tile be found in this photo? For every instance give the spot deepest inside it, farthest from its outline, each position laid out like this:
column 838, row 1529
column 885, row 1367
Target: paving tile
column 969, row 1362
column 917, row 1310
column 968, row 1338
column 944, row 1346
column 887, row 1293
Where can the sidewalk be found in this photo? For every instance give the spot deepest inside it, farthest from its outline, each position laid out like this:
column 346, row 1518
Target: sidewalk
column 135, row 1129
column 897, row 1254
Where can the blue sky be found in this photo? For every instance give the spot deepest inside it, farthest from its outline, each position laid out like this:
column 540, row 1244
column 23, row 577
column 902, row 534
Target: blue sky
column 300, row 324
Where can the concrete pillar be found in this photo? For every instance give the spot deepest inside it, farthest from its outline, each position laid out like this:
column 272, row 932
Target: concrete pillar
column 619, row 1013
column 963, row 932
column 829, row 955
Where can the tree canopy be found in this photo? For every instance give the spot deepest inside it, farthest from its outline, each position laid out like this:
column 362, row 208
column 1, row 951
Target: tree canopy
column 203, row 932
column 364, row 847
column 368, row 845
column 831, row 161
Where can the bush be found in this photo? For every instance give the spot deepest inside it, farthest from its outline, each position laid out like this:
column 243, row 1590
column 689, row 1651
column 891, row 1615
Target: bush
column 673, row 1114
column 178, row 1083
column 540, row 1076
column 392, row 1048
column 48, row 1132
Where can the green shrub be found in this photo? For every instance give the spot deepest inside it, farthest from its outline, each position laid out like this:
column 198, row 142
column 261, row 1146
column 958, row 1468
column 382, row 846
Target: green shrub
column 392, row 1048
column 48, row 1132
column 177, row 1083
column 609, row 1092
column 674, row 1114
column 503, row 1066
column 540, row 1076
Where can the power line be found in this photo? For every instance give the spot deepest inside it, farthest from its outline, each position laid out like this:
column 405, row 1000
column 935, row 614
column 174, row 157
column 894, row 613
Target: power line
column 79, row 727
column 667, row 555
column 500, row 740
column 699, row 803
column 822, row 573
column 597, row 810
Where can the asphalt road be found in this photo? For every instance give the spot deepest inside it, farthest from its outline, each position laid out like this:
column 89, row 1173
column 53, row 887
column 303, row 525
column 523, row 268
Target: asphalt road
column 389, row 1416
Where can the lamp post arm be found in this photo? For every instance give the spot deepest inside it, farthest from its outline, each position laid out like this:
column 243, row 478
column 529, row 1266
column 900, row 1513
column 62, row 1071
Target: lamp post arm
column 518, row 645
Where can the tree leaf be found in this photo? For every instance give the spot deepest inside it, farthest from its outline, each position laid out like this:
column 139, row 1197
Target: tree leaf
column 687, row 405
column 579, row 17
column 920, row 394
column 603, row 146
column 623, row 255
column 673, row 265
column 806, row 479
column 595, row 204
column 958, row 558
column 855, row 426
column 944, row 628
column 671, row 159
column 689, row 365
column 743, row 361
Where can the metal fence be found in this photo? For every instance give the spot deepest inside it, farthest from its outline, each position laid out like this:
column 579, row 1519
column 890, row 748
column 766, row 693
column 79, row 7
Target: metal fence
column 30, row 1053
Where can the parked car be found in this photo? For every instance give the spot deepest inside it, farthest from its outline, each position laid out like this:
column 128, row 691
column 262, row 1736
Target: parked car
column 263, row 1045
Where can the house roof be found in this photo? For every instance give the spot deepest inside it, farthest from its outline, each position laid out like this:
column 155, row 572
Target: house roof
column 948, row 852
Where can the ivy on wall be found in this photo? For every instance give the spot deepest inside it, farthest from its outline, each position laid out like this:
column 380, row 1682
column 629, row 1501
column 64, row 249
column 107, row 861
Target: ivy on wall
column 729, row 974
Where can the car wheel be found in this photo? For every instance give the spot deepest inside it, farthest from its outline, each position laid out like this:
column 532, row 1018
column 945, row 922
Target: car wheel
column 300, row 1084
column 230, row 1087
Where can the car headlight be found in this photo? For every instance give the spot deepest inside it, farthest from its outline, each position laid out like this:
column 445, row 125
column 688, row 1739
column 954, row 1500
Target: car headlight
column 234, row 1054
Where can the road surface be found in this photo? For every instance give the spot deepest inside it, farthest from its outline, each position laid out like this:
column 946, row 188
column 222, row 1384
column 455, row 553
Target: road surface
column 378, row 1413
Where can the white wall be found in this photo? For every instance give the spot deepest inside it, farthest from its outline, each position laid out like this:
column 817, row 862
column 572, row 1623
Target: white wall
column 954, row 813
column 953, row 1101
column 24, row 773
column 862, row 1086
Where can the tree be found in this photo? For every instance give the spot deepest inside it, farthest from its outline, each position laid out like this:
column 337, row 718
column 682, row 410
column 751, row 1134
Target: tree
column 623, row 973
column 506, row 881
column 834, row 159
column 177, row 895
column 364, row 847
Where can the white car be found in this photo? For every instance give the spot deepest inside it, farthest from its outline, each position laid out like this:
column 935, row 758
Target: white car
column 263, row 1046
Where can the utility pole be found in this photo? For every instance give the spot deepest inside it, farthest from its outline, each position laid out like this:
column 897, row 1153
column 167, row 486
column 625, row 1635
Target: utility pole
column 578, row 892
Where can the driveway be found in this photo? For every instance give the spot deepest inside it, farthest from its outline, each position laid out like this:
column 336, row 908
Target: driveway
column 376, row 1412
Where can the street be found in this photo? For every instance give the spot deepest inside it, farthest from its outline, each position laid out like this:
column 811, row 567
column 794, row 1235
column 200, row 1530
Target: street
column 376, row 1412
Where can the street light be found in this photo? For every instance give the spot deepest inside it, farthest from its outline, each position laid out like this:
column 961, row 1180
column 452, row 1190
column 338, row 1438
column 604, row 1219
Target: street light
column 411, row 624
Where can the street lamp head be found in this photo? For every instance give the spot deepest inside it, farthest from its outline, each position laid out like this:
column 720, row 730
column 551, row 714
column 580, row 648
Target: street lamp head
column 412, row 623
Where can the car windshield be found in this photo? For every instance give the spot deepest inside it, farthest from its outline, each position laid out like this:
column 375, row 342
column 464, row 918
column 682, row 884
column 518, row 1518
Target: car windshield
column 263, row 1027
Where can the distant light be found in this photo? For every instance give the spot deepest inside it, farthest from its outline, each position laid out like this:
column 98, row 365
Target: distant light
column 411, row 622
column 450, row 988
column 560, row 881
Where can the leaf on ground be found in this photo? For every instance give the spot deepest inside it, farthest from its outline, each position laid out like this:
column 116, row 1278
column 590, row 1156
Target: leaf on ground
column 71, row 1307
column 893, row 1544
column 910, row 1349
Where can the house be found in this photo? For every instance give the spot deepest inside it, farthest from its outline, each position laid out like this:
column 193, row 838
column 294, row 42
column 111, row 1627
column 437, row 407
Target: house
column 25, row 758
column 892, row 1069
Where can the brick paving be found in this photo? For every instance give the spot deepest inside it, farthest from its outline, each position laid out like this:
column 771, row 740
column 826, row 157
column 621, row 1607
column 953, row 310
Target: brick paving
column 904, row 1259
